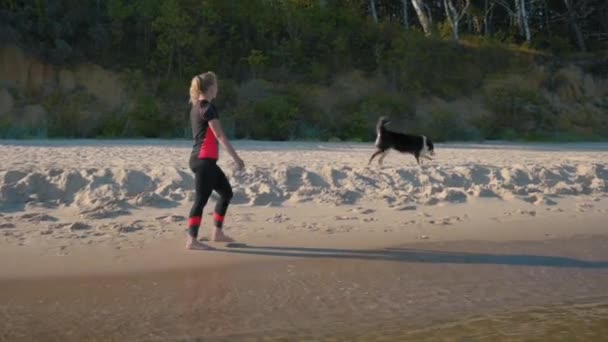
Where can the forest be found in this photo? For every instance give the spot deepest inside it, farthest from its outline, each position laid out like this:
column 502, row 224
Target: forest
column 320, row 69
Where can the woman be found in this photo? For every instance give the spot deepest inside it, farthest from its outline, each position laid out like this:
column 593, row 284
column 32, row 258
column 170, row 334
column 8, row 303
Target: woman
column 208, row 176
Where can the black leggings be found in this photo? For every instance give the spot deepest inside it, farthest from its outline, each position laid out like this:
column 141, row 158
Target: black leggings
column 208, row 177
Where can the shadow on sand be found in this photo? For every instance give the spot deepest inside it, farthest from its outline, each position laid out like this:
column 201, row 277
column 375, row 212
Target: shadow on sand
column 414, row 255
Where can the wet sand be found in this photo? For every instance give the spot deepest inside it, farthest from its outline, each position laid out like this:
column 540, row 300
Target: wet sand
column 319, row 294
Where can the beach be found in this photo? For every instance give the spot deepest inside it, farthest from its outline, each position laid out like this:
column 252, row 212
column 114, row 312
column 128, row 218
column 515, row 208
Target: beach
column 92, row 241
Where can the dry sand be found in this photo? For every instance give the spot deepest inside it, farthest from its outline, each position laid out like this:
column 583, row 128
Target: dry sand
column 94, row 231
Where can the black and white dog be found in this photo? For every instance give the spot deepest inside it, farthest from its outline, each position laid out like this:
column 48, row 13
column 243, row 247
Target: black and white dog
column 418, row 145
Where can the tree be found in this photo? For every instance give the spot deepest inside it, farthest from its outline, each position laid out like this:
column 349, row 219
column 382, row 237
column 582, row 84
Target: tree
column 572, row 20
column 455, row 10
column 406, row 14
column 422, row 16
column 372, row 5
column 173, row 27
column 518, row 13
column 522, row 19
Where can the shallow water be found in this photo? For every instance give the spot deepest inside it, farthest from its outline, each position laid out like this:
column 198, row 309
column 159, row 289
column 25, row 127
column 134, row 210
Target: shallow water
column 581, row 322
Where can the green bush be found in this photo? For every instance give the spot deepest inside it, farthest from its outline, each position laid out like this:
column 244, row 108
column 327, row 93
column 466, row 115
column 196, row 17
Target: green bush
column 272, row 117
column 69, row 115
column 516, row 104
column 447, row 126
column 359, row 119
column 112, row 125
column 145, row 120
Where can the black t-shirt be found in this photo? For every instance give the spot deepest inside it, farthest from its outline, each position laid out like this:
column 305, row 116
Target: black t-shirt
column 205, row 142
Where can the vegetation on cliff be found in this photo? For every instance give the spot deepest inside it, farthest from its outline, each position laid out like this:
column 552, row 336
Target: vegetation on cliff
column 309, row 69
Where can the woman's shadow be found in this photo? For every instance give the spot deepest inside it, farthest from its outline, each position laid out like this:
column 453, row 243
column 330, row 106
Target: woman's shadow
column 415, row 255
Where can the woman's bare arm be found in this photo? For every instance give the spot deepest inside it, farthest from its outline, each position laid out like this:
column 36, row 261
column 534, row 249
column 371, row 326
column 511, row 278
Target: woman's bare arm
column 216, row 127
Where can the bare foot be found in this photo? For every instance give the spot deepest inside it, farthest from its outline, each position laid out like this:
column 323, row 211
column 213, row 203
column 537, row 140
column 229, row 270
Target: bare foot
column 219, row 236
column 194, row 244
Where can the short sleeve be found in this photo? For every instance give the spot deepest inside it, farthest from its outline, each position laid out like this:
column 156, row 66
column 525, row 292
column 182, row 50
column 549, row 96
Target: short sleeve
column 209, row 111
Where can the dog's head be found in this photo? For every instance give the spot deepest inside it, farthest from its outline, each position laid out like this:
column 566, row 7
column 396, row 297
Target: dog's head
column 427, row 146
column 430, row 147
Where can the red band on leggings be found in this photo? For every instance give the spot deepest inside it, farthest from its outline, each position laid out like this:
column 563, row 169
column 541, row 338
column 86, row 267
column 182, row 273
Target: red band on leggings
column 194, row 221
column 218, row 217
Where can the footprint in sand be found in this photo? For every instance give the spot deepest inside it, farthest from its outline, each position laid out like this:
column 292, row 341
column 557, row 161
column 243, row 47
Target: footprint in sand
column 311, row 226
column 447, row 221
column 583, row 207
column 406, row 208
column 52, row 228
column 363, row 211
column 106, row 210
column 346, row 218
column 170, row 218
column 430, row 201
column 77, row 226
column 527, row 212
column 278, row 218
column 55, row 226
column 63, row 251
column 520, row 212
column 7, row 225
column 243, row 217
column 38, row 217
column 123, row 228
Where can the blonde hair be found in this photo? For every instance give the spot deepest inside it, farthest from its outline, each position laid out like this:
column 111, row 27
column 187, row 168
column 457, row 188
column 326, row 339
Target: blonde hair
column 200, row 84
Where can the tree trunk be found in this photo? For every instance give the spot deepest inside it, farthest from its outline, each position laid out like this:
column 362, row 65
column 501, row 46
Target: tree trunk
column 525, row 20
column 372, row 5
column 518, row 18
column 580, row 40
column 422, row 17
column 454, row 16
column 449, row 13
column 180, row 62
column 170, row 64
column 406, row 14
column 487, row 18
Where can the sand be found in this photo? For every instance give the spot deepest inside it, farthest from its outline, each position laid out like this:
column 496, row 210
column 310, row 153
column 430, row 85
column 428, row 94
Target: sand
column 324, row 241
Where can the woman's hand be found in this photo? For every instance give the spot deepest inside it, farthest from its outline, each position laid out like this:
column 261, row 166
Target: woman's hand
column 240, row 164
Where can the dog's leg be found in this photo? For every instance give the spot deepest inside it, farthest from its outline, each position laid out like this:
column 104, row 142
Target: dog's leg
column 382, row 157
column 374, row 156
column 417, row 156
column 427, row 157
